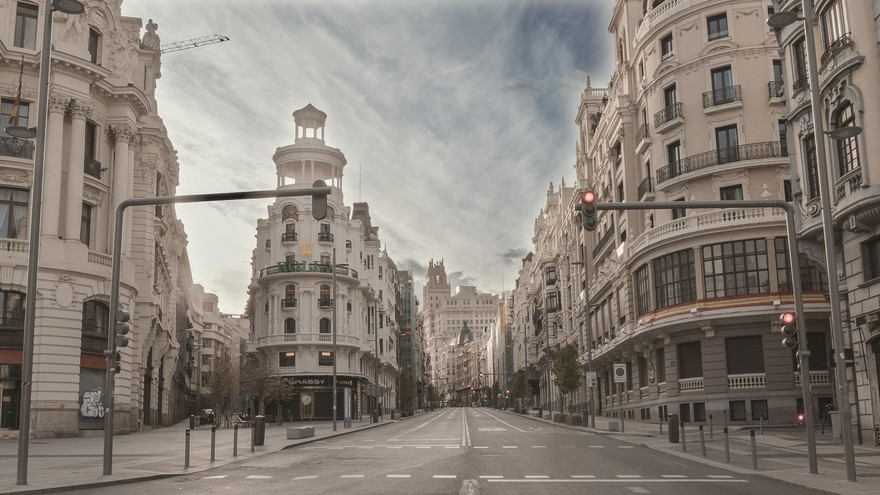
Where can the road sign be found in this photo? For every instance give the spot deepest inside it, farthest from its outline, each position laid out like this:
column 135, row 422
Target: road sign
column 592, row 381
column 619, row 373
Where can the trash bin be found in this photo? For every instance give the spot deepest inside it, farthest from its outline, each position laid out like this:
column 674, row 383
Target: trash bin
column 375, row 415
column 259, row 430
column 673, row 428
column 392, row 413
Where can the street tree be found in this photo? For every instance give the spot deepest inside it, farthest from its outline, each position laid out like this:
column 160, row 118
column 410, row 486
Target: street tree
column 259, row 380
column 223, row 385
column 566, row 369
column 407, row 390
column 519, row 386
column 431, row 393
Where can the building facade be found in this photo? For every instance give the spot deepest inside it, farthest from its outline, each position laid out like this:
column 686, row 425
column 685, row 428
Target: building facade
column 105, row 142
column 295, row 265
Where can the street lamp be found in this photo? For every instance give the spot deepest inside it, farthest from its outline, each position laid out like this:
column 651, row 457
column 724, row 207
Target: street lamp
column 27, row 359
column 778, row 21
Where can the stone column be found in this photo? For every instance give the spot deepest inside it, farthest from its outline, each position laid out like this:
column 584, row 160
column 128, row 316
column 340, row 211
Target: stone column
column 53, row 165
column 121, row 177
column 79, row 112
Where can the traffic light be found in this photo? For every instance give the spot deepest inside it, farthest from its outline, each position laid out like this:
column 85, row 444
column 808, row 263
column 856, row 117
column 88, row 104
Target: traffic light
column 118, row 367
column 319, row 202
column 123, row 328
column 588, row 210
column 789, row 330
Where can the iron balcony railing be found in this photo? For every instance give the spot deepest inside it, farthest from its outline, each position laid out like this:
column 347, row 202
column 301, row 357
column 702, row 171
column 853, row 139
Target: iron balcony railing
column 776, row 89
column 92, row 167
column 721, row 96
column 645, row 187
column 801, row 83
column 671, row 112
column 288, row 237
column 644, row 132
column 288, row 302
column 325, row 237
column 753, row 151
column 16, row 148
column 603, row 241
column 325, row 302
column 838, row 44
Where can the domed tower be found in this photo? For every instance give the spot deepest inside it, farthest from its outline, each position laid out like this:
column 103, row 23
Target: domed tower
column 308, row 159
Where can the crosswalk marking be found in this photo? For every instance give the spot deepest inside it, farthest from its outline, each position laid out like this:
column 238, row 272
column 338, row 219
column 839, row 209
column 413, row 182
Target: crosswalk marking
column 352, row 476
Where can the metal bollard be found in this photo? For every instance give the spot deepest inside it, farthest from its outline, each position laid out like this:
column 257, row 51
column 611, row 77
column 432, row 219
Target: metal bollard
column 754, row 450
column 711, row 427
column 186, row 456
column 253, row 433
column 235, row 441
column 702, row 441
column 213, row 441
column 684, row 447
column 762, row 424
column 661, row 426
column 726, row 446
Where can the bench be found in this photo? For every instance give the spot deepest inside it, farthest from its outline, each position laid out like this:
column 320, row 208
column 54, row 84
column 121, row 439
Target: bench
column 300, row 432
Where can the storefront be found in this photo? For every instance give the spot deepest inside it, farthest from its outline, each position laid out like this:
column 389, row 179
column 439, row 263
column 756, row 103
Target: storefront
column 312, row 398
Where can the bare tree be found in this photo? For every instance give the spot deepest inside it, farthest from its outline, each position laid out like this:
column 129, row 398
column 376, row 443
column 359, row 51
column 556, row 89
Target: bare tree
column 222, row 384
column 259, row 380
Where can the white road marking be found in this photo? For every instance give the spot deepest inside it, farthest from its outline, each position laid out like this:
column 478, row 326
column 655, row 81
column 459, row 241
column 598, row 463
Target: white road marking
column 537, row 477
column 304, row 478
column 465, row 432
column 506, row 424
column 628, row 476
column 689, row 480
column 445, row 476
column 258, row 477
column 214, row 477
column 624, row 446
column 395, row 446
column 676, row 476
column 597, row 446
column 452, row 446
column 398, row 476
column 481, row 447
column 582, row 476
column 423, row 446
column 352, row 476
column 637, row 489
column 539, row 446
column 365, row 447
column 719, row 476
column 510, row 447
column 491, row 477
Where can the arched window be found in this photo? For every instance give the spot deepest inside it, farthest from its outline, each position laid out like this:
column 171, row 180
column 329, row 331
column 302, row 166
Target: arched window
column 324, row 300
column 13, row 309
column 96, row 318
column 289, row 211
column 847, row 149
column 324, row 325
column 290, row 325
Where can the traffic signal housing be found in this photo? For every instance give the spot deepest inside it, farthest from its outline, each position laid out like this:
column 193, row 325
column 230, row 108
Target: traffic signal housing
column 118, row 366
column 588, row 210
column 789, row 329
column 319, row 202
column 122, row 328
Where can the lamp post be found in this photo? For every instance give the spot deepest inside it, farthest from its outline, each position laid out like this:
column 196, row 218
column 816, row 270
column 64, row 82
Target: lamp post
column 778, row 21
column 27, row 360
column 335, row 299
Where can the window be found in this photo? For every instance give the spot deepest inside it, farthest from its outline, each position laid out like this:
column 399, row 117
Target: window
column 95, row 318
column 289, row 234
column 690, row 360
column 737, row 410
column 684, row 413
column 783, row 138
column 777, row 70
column 289, row 325
column 94, row 45
column 25, row 26
column 699, row 412
column 287, row 359
column 811, row 166
column 776, row 84
column 289, row 300
column 85, row 228
column 13, row 213
column 736, row 268
column 643, row 295
column 552, row 301
column 660, row 366
column 666, row 47
column 675, row 280
column 325, row 358
column 744, row 354
column 786, row 190
column 731, row 193
column 673, row 158
column 324, row 300
column 871, row 256
column 760, row 410
column 324, row 325
column 723, row 90
column 551, row 275
column 13, row 309
column 643, row 371
column 670, row 96
column 799, row 65
column 717, row 26
column 834, row 23
column 812, row 277
column 847, row 149
column 679, row 212
column 727, row 143
column 6, row 114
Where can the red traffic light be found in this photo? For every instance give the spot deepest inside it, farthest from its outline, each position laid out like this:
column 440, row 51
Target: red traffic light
column 787, row 318
column 589, row 197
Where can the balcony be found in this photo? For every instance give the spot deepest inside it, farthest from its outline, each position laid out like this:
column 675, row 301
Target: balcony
column 325, row 303
column 722, row 96
column 92, row 167
column 667, row 115
column 14, row 245
column 16, row 148
column 820, row 377
column 800, row 84
column 775, row 89
column 835, row 47
column 691, row 384
column 288, row 237
column 325, row 237
column 304, row 267
column 288, row 303
column 753, row 151
column 307, row 338
column 848, row 184
column 645, row 187
column 643, row 138
column 747, row 380
column 603, row 241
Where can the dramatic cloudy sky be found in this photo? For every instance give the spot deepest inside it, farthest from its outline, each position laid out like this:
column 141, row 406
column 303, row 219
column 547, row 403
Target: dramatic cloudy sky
column 454, row 117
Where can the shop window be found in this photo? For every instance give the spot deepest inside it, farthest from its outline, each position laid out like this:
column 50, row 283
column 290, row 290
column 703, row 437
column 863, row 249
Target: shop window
column 95, row 318
column 737, row 410
column 286, row 359
column 325, row 358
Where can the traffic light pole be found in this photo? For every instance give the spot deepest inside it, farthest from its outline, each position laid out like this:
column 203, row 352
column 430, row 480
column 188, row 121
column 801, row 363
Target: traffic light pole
column 794, row 264
column 319, row 192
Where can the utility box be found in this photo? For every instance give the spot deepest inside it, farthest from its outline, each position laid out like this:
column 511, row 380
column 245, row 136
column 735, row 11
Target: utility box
column 673, row 428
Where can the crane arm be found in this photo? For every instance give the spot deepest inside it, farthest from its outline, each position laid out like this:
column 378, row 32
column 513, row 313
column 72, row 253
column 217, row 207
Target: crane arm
column 193, row 43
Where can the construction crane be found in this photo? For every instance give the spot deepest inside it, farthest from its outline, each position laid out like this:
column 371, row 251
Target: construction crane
column 193, row 43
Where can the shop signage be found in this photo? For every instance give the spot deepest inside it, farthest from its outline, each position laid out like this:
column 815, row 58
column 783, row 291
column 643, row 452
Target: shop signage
column 304, row 266
column 321, row 381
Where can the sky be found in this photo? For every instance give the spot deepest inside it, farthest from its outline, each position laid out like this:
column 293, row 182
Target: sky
column 454, row 117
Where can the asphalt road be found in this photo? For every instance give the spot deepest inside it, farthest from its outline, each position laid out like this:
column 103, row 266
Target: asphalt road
column 464, row 451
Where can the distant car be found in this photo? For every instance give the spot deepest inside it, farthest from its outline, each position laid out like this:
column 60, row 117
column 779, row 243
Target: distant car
column 206, row 416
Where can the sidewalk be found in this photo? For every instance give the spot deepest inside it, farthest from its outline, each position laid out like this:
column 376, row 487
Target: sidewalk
column 781, row 453
column 65, row 463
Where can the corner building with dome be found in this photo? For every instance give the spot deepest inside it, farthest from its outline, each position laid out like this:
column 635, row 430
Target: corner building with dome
column 292, row 293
